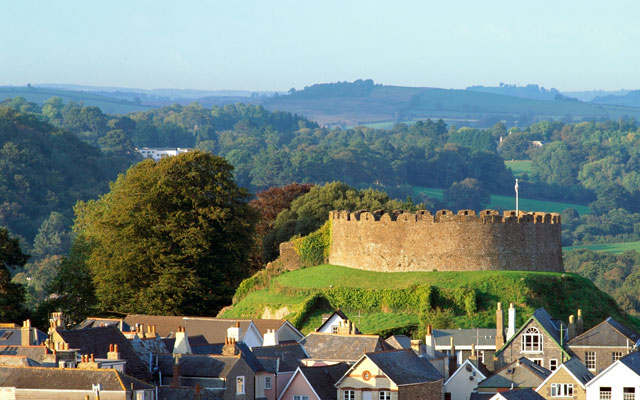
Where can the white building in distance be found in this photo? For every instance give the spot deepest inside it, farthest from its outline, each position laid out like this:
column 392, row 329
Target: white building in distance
column 158, row 153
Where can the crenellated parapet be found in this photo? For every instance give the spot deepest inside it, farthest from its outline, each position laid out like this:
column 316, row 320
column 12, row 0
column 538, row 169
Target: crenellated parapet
column 446, row 241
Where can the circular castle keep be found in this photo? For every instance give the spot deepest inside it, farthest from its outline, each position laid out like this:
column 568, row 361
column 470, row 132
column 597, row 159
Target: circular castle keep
column 401, row 241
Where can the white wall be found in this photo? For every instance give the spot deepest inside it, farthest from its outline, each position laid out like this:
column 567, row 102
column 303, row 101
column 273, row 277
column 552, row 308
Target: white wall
column 459, row 385
column 618, row 376
column 334, row 320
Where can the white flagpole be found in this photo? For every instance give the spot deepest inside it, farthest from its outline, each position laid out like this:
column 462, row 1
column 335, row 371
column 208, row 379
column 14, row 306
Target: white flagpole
column 517, row 208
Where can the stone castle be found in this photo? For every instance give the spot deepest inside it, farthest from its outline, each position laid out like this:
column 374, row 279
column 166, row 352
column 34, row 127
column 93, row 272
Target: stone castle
column 466, row 241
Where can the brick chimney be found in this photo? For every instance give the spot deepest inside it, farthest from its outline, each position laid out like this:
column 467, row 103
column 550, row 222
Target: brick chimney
column 579, row 324
column 416, row 345
column 88, row 362
column 453, row 359
column 499, row 327
column 270, row 338
column 571, row 328
column 175, row 378
column 181, row 345
column 429, row 342
column 473, row 355
column 113, row 353
column 230, row 348
column 26, row 334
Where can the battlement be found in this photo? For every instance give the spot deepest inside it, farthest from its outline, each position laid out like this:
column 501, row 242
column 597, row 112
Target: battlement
column 446, row 241
column 484, row 216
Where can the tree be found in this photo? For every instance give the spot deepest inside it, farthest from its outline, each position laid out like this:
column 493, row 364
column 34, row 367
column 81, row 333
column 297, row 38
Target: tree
column 169, row 238
column 53, row 237
column 467, row 194
column 11, row 294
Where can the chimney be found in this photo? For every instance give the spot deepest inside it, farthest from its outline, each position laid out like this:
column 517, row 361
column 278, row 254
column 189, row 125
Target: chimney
column 175, row 378
column 416, row 345
column 181, row 346
column 453, row 359
column 473, row 352
column 113, row 353
column 429, row 342
column 230, row 348
column 571, row 328
column 499, row 327
column 26, row 334
column 270, row 338
column 197, row 395
column 235, row 332
column 88, row 362
column 511, row 328
column 579, row 323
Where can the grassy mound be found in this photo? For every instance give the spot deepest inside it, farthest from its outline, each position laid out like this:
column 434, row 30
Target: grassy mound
column 384, row 303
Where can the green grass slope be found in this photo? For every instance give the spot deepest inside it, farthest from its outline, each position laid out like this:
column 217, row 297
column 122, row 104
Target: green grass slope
column 40, row 95
column 615, row 248
column 385, row 303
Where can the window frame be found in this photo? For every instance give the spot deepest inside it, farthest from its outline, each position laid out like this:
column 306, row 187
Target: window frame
column 532, row 340
column 562, row 390
column 616, row 355
column 240, row 379
column 384, row 395
column 555, row 366
column 601, row 392
column 300, row 397
column 349, row 394
column 268, row 386
column 588, row 361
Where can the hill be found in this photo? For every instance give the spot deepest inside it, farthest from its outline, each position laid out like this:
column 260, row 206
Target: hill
column 383, row 303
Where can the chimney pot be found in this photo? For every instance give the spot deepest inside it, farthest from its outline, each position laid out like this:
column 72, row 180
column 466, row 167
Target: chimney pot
column 115, row 348
column 237, row 324
column 92, row 358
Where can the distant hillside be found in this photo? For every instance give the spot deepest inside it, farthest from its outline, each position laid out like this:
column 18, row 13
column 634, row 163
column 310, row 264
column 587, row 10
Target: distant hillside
column 631, row 99
column 361, row 102
column 382, row 303
column 528, row 92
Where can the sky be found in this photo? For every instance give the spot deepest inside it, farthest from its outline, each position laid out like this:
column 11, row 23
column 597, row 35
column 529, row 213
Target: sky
column 277, row 45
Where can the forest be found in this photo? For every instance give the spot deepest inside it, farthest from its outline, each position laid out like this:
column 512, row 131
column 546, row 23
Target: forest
column 57, row 155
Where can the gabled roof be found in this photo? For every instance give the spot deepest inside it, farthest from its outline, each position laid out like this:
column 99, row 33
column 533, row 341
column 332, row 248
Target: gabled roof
column 13, row 336
column 631, row 361
column 337, row 312
column 521, row 394
column 465, row 337
column 399, row 342
column 67, row 379
column 548, row 324
column 576, row 369
column 323, row 378
column 289, row 356
column 18, row 361
column 215, row 329
column 202, row 366
column 98, row 322
column 607, row 333
column 404, row 367
column 35, row 353
column 166, row 325
column 96, row 341
column 472, row 365
column 194, row 340
column 522, row 373
column 329, row 346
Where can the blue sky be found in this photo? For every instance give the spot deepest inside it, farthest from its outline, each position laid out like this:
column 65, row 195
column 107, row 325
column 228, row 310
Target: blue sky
column 276, row 45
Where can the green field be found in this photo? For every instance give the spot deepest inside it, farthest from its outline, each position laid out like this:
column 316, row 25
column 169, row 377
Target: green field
column 509, row 202
column 519, row 167
column 615, row 248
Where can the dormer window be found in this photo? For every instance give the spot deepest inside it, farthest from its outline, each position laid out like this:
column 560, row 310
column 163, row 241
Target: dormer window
column 532, row 341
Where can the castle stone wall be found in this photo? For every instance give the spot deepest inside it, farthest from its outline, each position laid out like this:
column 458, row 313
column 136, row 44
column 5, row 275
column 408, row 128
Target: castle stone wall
column 420, row 241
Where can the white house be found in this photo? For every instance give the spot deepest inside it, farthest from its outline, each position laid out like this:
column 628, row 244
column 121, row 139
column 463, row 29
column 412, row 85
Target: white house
column 466, row 378
column 621, row 380
column 158, row 153
column 331, row 322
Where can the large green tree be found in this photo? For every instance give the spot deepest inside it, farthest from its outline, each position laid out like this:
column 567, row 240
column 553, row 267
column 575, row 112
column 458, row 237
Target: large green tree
column 11, row 294
column 171, row 237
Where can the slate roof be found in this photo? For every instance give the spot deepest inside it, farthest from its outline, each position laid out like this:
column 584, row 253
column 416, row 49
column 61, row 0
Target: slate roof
column 404, row 367
column 521, row 394
column 166, row 325
column 67, row 379
column 607, row 333
column 13, row 336
column 577, row 368
column 549, row 324
column 632, row 360
column 35, row 353
column 522, row 373
column 182, row 393
column 202, row 366
column 98, row 322
column 213, row 329
column 96, row 341
column 481, row 396
column 465, row 337
column 323, row 379
column 481, row 367
column 289, row 356
column 18, row 361
column 329, row 346
column 399, row 342
column 264, row 324
column 194, row 340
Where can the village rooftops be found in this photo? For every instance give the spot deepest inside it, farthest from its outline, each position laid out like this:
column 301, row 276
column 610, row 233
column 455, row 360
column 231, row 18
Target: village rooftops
column 520, row 394
column 289, row 356
column 333, row 347
column 522, row 373
column 404, row 367
column 482, row 338
column 609, row 332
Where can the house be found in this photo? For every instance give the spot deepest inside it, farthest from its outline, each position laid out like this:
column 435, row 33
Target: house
column 391, row 375
column 328, row 347
column 276, row 331
column 520, row 374
column 540, row 339
column 466, row 378
column 314, row 383
column 483, row 339
column 520, row 394
column 70, row 383
column 331, row 322
column 97, row 343
column 602, row 345
column 443, row 362
column 620, row 380
column 568, row 380
column 280, row 361
column 157, row 153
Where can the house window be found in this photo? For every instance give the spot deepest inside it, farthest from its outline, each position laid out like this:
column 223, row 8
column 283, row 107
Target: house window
column 267, row 383
column 386, row 395
column 334, row 328
column 348, row 395
column 616, row 355
column 562, row 390
column 240, row 385
column 532, row 340
column 590, row 360
column 553, row 364
column 538, row 361
column 481, row 356
column 605, row 393
column 629, row 393
column 300, row 397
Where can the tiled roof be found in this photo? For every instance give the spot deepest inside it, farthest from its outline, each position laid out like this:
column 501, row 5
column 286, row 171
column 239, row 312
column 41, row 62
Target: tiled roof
column 213, row 329
column 289, row 356
column 481, row 367
column 194, row 340
column 18, row 361
column 182, row 393
column 522, row 373
column 521, row 394
column 632, row 360
column 13, row 336
column 98, row 322
column 607, row 333
column 399, row 342
column 166, row 325
column 35, row 353
column 578, row 370
column 264, row 324
column 549, row 324
column 202, row 366
column 96, row 341
column 465, row 337
column 404, row 367
column 328, row 346
column 323, row 379
column 67, row 379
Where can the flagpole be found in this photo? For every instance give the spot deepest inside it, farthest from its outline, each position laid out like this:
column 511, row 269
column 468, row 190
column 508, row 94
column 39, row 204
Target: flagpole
column 517, row 208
